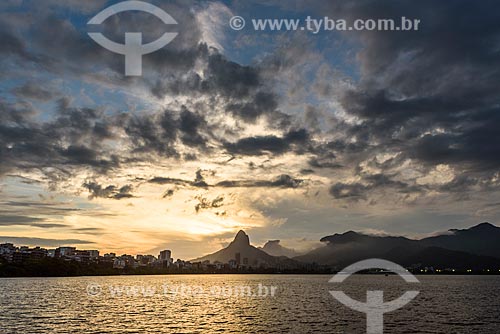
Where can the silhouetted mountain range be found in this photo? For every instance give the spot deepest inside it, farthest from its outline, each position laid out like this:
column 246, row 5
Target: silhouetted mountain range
column 476, row 247
column 482, row 239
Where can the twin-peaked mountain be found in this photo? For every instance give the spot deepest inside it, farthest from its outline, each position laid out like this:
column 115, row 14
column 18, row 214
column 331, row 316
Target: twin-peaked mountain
column 243, row 253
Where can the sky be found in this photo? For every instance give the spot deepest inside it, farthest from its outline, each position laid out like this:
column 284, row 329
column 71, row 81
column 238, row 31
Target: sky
column 287, row 135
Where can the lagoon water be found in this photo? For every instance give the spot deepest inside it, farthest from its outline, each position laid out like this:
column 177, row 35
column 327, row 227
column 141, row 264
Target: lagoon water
column 242, row 304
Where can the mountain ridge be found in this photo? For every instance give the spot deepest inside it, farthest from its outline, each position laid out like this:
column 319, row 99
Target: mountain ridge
column 475, row 247
column 479, row 243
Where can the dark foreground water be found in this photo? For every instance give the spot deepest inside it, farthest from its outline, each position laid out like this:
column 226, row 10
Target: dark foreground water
column 242, row 304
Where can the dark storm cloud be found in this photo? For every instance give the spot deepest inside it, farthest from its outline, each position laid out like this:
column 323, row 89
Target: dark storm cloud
column 58, row 142
column 78, row 137
column 160, row 132
column 190, row 125
column 281, row 181
column 258, row 145
column 169, row 180
column 111, row 191
column 324, row 162
column 260, row 104
column 59, row 46
column 443, row 76
column 349, row 190
column 429, row 95
column 72, row 138
column 230, row 78
column 372, row 182
column 153, row 133
column 269, row 144
column 240, row 87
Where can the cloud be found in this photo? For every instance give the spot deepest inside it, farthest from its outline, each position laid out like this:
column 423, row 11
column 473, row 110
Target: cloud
column 43, row 242
column 15, row 220
column 281, row 181
column 213, row 20
column 349, row 190
column 205, row 203
column 269, row 144
column 111, row 191
column 8, row 219
column 372, row 182
column 32, row 90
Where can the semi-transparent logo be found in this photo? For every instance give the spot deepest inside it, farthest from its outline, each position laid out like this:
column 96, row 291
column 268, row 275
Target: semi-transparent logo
column 133, row 49
column 375, row 307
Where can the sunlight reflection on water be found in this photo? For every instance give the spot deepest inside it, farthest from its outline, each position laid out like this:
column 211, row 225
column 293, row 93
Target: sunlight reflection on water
column 301, row 304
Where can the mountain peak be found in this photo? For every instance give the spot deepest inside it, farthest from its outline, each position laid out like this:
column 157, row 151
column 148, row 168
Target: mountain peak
column 346, row 237
column 483, row 226
column 241, row 238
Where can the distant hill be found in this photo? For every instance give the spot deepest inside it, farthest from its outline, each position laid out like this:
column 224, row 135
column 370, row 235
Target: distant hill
column 344, row 249
column 483, row 239
column 273, row 247
column 248, row 255
column 468, row 248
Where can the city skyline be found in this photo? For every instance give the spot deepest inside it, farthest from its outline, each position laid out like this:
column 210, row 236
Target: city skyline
column 460, row 251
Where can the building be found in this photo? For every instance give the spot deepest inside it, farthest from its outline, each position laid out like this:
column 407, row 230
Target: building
column 64, row 251
column 93, row 254
column 119, row 263
column 80, row 256
column 6, row 251
column 145, row 260
column 237, row 257
column 38, row 253
column 233, row 264
column 165, row 257
column 25, row 253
